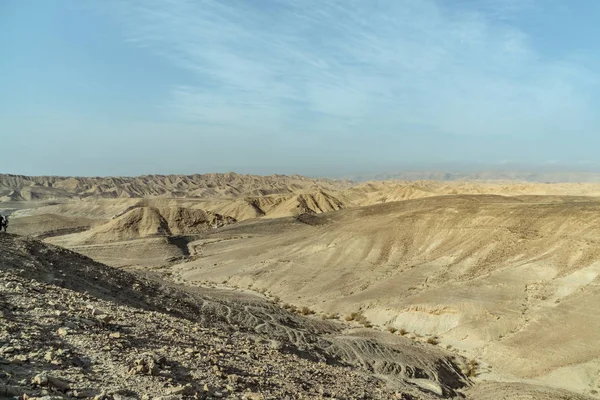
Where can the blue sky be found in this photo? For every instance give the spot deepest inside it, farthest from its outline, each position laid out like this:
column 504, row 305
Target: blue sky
column 318, row 87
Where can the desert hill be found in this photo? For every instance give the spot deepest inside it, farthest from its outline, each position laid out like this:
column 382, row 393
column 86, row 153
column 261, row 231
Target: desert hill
column 141, row 222
column 243, row 208
column 139, row 235
column 239, row 197
column 244, row 197
column 503, row 280
column 73, row 328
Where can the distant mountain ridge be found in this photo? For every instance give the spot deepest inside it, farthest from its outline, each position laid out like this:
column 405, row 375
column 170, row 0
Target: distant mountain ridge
column 230, row 185
column 491, row 175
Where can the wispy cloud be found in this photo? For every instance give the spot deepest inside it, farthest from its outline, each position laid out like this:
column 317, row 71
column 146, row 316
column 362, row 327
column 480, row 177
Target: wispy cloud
column 353, row 66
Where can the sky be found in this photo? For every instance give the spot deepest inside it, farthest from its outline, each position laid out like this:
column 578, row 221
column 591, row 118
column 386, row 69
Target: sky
column 316, row 87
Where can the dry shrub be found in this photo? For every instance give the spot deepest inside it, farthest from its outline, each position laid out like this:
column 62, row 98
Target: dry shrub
column 306, row 311
column 471, row 370
column 433, row 340
column 391, row 329
column 356, row 316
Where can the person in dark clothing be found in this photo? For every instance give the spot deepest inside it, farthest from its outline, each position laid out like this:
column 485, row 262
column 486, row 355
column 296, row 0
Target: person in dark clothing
column 1, row 222
column 5, row 223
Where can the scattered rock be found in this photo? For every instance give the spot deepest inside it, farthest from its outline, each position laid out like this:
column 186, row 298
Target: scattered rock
column 44, row 380
column 21, row 358
column 40, row 379
column 64, row 331
column 253, row 396
column 145, row 366
column 181, row 390
column 84, row 393
column 276, row 345
column 118, row 396
column 105, row 318
column 7, row 350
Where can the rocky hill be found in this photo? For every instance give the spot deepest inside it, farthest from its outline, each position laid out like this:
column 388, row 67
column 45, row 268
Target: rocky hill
column 75, row 328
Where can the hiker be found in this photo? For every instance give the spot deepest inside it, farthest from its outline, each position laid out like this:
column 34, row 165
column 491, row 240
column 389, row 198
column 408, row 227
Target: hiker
column 4, row 224
column 1, row 222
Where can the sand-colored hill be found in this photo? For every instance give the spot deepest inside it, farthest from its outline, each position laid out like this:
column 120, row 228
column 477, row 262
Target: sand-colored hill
column 240, row 209
column 301, row 201
column 248, row 189
column 150, row 232
column 276, row 206
column 508, row 281
column 141, row 222
column 141, row 235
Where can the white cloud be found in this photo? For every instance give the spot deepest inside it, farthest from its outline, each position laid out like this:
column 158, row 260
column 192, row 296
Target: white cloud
column 359, row 66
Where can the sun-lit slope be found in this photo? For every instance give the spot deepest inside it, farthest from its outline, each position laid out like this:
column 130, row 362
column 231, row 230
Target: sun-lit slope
column 86, row 208
column 46, row 225
column 376, row 192
column 504, row 279
column 142, row 222
column 142, row 235
column 269, row 206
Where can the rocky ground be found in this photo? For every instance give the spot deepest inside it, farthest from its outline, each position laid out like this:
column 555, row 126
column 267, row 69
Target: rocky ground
column 74, row 328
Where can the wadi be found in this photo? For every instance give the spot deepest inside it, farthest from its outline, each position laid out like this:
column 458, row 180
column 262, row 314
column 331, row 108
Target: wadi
column 269, row 287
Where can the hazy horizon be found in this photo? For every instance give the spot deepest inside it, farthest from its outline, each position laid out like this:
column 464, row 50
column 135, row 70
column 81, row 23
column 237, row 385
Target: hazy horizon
column 328, row 88
column 591, row 172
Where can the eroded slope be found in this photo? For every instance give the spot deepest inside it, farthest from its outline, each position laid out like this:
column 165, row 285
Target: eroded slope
column 510, row 282
column 74, row 327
